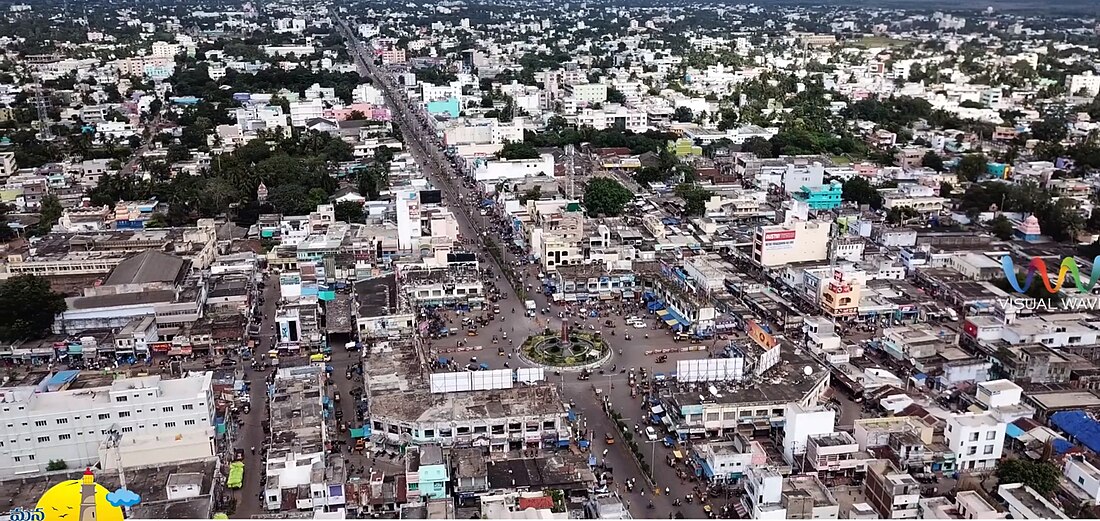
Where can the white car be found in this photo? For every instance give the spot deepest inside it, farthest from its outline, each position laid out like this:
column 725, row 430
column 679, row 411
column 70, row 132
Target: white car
column 639, row 325
column 650, row 434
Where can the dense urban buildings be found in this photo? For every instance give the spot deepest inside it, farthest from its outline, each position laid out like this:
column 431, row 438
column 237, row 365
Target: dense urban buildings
column 587, row 260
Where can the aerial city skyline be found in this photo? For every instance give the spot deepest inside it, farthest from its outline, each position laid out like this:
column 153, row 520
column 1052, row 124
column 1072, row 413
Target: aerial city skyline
column 570, row 260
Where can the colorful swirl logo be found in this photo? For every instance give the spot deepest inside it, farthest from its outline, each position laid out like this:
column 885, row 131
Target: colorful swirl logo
column 1037, row 266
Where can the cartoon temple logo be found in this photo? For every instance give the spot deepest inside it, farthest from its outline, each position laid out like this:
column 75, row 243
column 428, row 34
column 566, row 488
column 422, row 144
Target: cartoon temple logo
column 84, row 500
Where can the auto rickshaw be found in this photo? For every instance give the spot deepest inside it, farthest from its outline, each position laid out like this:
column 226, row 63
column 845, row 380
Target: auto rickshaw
column 709, row 511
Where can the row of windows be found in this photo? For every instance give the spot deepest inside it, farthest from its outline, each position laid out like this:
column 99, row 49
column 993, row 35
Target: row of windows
column 63, row 437
column 107, row 416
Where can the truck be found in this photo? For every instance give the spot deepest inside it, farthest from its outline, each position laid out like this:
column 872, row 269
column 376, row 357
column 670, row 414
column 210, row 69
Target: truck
column 530, row 305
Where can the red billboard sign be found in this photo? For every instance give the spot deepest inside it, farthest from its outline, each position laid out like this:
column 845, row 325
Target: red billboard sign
column 786, row 235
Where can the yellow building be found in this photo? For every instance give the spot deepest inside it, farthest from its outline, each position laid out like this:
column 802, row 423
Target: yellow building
column 840, row 296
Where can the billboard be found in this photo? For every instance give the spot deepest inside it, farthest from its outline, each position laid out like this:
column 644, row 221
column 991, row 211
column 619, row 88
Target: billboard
column 781, row 240
column 761, row 337
column 710, row 370
column 785, row 235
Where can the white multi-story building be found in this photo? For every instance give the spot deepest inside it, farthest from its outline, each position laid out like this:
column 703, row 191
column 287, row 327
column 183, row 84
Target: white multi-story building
column 801, row 424
column 305, row 110
column 798, row 241
column 67, row 417
column 613, row 116
column 977, row 440
column 1088, row 83
column 367, row 93
column 165, row 49
column 7, row 164
column 262, row 117
column 1085, row 479
column 588, row 92
column 296, row 459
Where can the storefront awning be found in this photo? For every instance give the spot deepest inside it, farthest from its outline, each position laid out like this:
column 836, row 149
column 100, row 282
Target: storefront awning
column 654, row 305
column 662, row 313
column 671, row 322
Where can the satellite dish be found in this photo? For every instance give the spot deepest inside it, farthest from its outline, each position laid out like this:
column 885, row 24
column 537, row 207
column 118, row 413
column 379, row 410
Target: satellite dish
column 808, row 370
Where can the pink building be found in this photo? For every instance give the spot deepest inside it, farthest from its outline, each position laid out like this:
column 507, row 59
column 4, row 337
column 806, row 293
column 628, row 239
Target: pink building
column 374, row 112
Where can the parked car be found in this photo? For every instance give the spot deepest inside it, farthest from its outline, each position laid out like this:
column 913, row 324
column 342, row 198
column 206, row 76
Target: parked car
column 651, row 433
column 610, row 440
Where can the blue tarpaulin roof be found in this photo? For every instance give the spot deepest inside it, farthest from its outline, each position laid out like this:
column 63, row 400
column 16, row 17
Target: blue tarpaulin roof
column 1012, row 431
column 648, row 295
column 654, row 306
column 1078, row 425
column 1061, row 446
column 572, row 415
column 583, row 444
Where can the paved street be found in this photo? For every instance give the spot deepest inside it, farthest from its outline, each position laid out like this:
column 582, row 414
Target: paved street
column 251, row 432
column 425, row 151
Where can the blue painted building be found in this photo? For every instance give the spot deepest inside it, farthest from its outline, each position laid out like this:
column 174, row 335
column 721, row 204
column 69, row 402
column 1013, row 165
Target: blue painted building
column 821, row 197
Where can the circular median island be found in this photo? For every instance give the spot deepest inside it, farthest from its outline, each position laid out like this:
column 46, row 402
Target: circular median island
column 574, row 349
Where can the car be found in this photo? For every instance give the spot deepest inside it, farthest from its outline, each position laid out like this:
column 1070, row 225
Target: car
column 609, row 439
column 639, row 325
column 229, row 362
column 651, row 433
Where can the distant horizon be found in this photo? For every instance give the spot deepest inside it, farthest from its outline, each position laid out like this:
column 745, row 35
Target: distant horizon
column 1074, row 7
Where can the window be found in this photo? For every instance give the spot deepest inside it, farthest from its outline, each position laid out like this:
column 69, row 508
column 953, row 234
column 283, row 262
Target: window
column 62, row 421
column 991, row 435
column 104, row 416
column 169, row 409
column 30, row 457
column 168, row 424
column 64, row 436
column 973, row 436
column 40, row 423
column 127, row 429
column 124, row 414
column 43, row 439
column 988, row 449
column 120, row 398
column 970, row 451
column 188, row 422
column 17, row 459
column 188, row 406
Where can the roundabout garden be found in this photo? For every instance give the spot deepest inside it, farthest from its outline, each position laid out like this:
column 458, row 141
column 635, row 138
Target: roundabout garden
column 579, row 349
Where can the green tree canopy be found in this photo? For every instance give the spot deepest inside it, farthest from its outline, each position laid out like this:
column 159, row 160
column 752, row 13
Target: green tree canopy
column 858, row 190
column 1001, row 227
column 932, row 160
column 348, row 211
column 27, row 308
column 971, row 167
column 521, row 150
column 1042, row 476
column 606, row 196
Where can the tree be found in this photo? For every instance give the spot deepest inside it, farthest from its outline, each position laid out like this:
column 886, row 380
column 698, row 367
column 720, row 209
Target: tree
column 56, row 464
column 695, row 198
column 946, row 189
column 356, row 115
column 683, row 115
column 858, row 190
column 348, row 211
column 27, row 308
column 758, row 146
column 48, row 213
column 971, row 167
column 157, row 220
column 533, row 194
column 932, row 160
column 1050, row 129
column 1001, row 227
column 520, row 150
column 1042, row 476
column 615, row 96
column 606, row 196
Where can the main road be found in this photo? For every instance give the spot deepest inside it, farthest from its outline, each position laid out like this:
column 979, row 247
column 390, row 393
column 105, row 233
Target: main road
column 422, row 142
